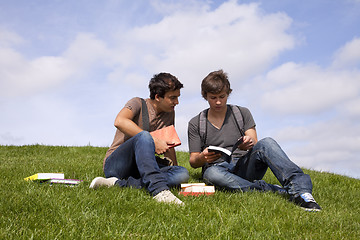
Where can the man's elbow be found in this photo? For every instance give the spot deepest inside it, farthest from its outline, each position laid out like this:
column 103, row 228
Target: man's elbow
column 118, row 123
column 193, row 164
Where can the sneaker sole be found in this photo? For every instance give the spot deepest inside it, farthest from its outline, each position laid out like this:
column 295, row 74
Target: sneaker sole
column 311, row 209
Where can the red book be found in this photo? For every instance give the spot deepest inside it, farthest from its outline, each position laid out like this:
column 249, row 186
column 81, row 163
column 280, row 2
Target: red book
column 168, row 134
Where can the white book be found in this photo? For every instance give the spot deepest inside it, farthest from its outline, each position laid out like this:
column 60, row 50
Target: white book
column 205, row 189
column 196, row 190
column 185, row 185
column 44, row 176
column 219, row 150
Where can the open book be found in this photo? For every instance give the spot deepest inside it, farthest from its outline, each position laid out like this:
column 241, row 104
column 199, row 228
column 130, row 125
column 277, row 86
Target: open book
column 168, row 134
column 225, row 151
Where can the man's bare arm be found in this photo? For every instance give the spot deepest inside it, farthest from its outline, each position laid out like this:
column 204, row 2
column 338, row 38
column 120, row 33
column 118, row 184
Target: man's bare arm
column 198, row 159
column 125, row 124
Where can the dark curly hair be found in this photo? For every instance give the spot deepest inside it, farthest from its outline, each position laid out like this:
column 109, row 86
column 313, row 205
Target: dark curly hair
column 162, row 83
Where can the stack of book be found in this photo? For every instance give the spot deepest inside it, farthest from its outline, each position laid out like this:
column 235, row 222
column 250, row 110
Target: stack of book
column 52, row 178
column 196, row 189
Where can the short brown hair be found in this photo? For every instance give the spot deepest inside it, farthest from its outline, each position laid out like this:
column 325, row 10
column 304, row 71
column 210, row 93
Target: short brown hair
column 214, row 83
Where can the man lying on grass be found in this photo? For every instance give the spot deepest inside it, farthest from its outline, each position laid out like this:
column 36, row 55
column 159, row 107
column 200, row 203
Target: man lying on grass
column 131, row 161
column 222, row 125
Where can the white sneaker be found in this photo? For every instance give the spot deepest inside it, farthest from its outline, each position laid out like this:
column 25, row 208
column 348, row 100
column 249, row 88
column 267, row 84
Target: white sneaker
column 167, row 197
column 100, row 181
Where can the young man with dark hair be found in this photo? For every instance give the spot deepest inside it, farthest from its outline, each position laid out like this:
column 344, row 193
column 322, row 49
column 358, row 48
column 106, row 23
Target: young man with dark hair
column 222, row 125
column 130, row 160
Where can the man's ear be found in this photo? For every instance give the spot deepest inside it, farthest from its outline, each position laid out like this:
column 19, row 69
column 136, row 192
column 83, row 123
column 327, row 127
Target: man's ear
column 158, row 98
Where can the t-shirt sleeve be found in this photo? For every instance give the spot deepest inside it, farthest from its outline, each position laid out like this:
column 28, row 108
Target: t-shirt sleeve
column 248, row 118
column 194, row 140
column 134, row 105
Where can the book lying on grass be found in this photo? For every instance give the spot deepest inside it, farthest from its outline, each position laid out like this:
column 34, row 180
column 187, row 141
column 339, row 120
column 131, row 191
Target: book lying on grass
column 52, row 178
column 63, row 181
column 168, row 134
column 225, row 151
column 196, row 189
column 44, row 176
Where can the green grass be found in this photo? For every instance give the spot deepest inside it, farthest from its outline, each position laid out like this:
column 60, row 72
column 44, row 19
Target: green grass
column 38, row 211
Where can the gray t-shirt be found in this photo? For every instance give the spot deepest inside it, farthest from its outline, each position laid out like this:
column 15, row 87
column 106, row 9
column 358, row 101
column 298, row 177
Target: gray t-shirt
column 224, row 137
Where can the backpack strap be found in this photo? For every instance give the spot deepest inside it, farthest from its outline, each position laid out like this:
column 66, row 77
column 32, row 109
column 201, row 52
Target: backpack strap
column 202, row 126
column 165, row 161
column 145, row 115
column 238, row 117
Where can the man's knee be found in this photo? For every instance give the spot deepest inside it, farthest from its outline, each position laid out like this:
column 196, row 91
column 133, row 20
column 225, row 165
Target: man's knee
column 268, row 142
column 143, row 134
column 183, row 175
column 214, row 174
column 176, row 175
column 144, row 137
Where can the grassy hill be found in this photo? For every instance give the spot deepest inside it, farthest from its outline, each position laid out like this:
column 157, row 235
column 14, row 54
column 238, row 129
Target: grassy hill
column 39, row 211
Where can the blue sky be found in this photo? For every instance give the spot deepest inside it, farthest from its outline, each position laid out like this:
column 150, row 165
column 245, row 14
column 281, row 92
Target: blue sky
column 68, row 67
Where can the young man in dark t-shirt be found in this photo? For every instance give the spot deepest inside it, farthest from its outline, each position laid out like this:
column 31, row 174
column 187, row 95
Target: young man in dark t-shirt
column 130, row 160
column 249, row 162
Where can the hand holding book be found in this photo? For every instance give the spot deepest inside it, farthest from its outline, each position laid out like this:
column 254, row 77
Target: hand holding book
column 161, row 146
column 166, row 135
column 225, row 151
column 248, row 143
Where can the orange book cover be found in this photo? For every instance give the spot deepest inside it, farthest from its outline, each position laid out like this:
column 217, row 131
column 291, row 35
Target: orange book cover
column 169, row 134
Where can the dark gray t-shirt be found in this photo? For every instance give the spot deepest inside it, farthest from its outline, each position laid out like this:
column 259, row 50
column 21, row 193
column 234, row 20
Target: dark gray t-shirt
column 224, row 137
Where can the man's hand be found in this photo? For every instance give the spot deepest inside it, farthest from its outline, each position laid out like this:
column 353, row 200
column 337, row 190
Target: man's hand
column 161, row 146
column 247, row 144
column 198, row 159
column 208, row 156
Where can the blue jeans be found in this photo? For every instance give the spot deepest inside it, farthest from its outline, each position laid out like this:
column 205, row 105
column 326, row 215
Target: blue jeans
column 134, row 164
column 246, row 173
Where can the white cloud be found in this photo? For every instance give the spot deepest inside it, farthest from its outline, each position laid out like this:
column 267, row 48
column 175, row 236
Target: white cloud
column 325, row 146
column 167, row 8
column 239, row 38
column 8, row 38
column 21, row 76
column 306, row 89
column 87, row 50
column 349, row 55
column 352, row 108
